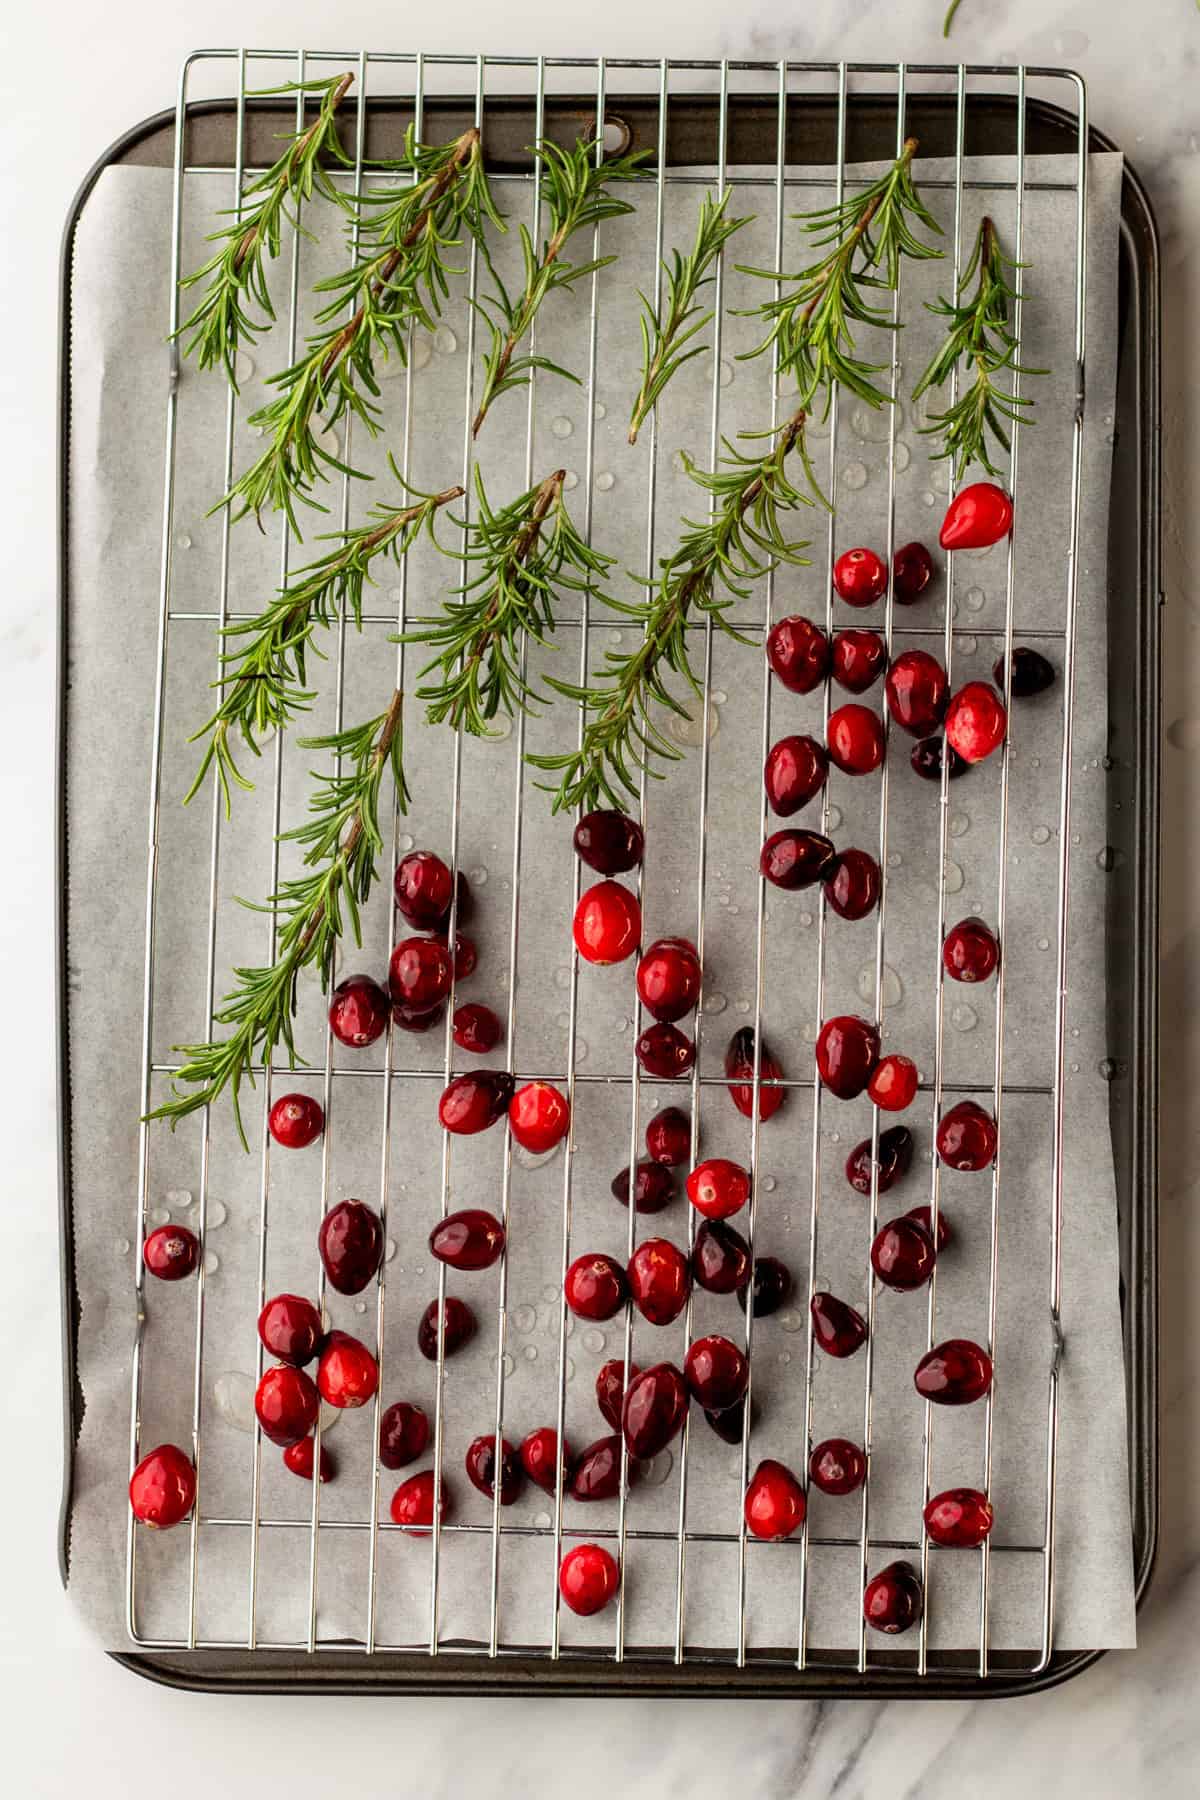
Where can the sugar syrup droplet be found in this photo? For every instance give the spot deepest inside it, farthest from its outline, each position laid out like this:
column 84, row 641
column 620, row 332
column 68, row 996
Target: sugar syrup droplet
column 561, row 426
column 605, row 481
column 854, row 476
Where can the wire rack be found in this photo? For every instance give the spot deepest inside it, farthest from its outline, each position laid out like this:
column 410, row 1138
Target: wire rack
column 667, row 90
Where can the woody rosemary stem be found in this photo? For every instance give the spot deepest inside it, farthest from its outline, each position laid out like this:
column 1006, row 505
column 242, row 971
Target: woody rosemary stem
column 250, row 235
column 553, row 249
column 845, row 255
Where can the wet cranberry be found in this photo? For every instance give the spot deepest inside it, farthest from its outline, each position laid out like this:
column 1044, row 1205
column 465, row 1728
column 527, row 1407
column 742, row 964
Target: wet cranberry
column 774, row 1506
column 912, row 571
column 347, row 1374
column 860, row 577
column 655, row 1407
column 847, row 1052
column 403, row 1435
column 927, row 756
column 892, row 1600
column 471, row 1103
column 859, row 659
column 902, row 1254
column 608, row 923
column 772, row 1286
column 405, row 1019
column 665, row 1051
column 854, row 737
column 412, row 1503
column 838, row 1329
column 893, row 1085
column 419, row 974
column 966, row 1137
column 424, row 888
column 609, row 842
column 286, row 1403
column 358, row 1012
column 837, row 1466
column 739, row 1071
column 481, row 1468
column 895, row 1158
column 970, row 952
column 472, row 1239
column 718, row 1188
column 351, row 1245
column 956, row 1373
column 610, row 1389
column 539, row 1459
column 795, row 771
column 798, row 653
column 917, row 691
column 459, row 1328
column 716, row 1372
column 466, row 956
column 588, row 1578
column 976, row 721
column 959, row 1518
column 660, row 1280
column 291, row 1329
column 172, row 1252
column 295, row 1121
column 1031, row 673
column 595, row 1286
column 668, row 979
column 853, row 888
column 720, row 1259
column 476, row 1028
column 796, row 859
column 924, row 1216
column 299, row 1459
column 538, row 1117
column 597, row 1474
column 669, row 1137
column 730, row 1425
column 654, row 1189
column 978, row 515
column 162, row 1489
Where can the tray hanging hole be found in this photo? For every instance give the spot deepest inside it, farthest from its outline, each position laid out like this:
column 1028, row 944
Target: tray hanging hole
column 618, row 135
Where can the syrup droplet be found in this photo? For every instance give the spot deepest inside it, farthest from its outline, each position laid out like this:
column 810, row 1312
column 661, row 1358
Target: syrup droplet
column 233, row 1394
column 605, row 480
column 964, row 1017
column 833, row 817
column 974, row 599
column 562, row 426
column 212, row 1263
column 892, row 988
column 478, row 877
column 444, row 341
column 768, row 1184
column 593, row 1340
column 714, row 1001
column 1040, row 834
column 854, row 476
column 508, row 1361
column 958, row 824
column 791, row 1320
column 903, row 456
column 601, row 410
column 953, row 877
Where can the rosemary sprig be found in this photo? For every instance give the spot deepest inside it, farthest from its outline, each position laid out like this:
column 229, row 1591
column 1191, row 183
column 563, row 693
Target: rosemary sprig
column 812, row 325
column 663, row 338
column 576, row 196
column 978, row 333
column 237, row 273
column 713, row 565
column 948, row 21
column 342, row 842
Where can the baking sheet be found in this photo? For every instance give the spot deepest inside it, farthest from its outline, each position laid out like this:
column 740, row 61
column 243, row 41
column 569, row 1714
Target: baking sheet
column 119, row 369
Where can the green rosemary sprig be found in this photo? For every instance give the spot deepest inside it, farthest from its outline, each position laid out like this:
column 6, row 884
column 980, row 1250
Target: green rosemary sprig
column 978, row 334
column 342, row 842
column 948, row 21
column 713, row 565
column 237, row 273
column 812, row 325
column 576, row 195
column 663, row 338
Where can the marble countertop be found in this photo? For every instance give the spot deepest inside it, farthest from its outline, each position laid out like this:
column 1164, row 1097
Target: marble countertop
column 1124, row 1726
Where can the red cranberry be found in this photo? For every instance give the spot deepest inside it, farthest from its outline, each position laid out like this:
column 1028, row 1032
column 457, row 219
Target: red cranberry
column 609, row 842
column 287, row 1404
column 966, row 1137
column 419, row 974
column 466, row 956
column 668, row 979
column 347, row 1373
column 895, row 1159
column 538, row 1117
column 772, row 1286
column 481, row 1468
column 656, row 1403
column 970, row 952
column 172, row 1252
column 847, row 1052
column 840, row 1331
column 459, row 1328
column 739, row 1069
column 798, row 653
column 162, row 1489
column 471, row 1103
column 924, row 1216
column 351, row 1245
column 978, row 515
column 540, row 1459
column 718, row 1188
column 796, row 859
column 774, row 1506
column 927, row 757
column 892, row 1600
column 358, row 1012
column 893, row 1085
column 959, row 1518
column 853, row 888
column 912, row 571
column 588, row 1578
column 902, row 1254
column 291, row 1329
column 854, row 737
column 597, row 1474
column 720, row 1259
column 669, row 1137
column 859, row 659
column 665, row 1051
column 295, row 1121
column 412, row 1503
column 299, row 1459
column 837, row 1466
column 917, row 690
column 608, row 923
column 610, row 1389
column 955, row 1373
column 795, row 771
column 654, row 1188
column 472, row 1239
column 717, row 1373
column 730, row 1425
column 595, row 1286
column 1031, row 673
column 424, row 888
column 405, row 1019
column 403, row 1435
column 976, row 721
column 860, row 577
column 477, row 1028
column 660, row 1280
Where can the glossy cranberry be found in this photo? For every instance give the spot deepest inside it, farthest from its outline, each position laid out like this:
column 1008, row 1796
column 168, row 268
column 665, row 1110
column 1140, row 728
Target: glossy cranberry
column 412, row 1503
column 654, row 1188
column 1031, row 673
column 347, row 1374
column 795, row 771
column 608, row 923
column 403, row 1435
column 171, row 1252
column 739, row 1071
column 669, row 1137
column 665, row 1051
column 424, row 888
column 775, row 1505
column 912, row 572
column 405, row 1019
column 668, row 979
column 656, row 1403
column 539, row 1459
column 296, row 1121
column 720, row 1259
column 978, row 515
column 895, row 1159
column 291, row 1329
column 287, row 1404
column 481, row 1468
column 852, row 890
column 299, row 1459
column 472, row 1239
column 859, row 659
column 660, row 1280
column 966, row 1138
column 730, row 1425
column 718, row 1188
column 162, row 1489
column 860, row 577
column 419, row 974
column 956, row 1373
column 717, row 1373
column 838, row 1329
column 959, row 1518
column 358, row 1012
column 976, row 721
column 597, row 1474
column 892, row 1600
column 837, row 1466
column 798, row 653
column 351, row 1245
column 796, row 859
column 927, row 756
column 854, row 737
column 538, row 1117
column 588, row 1578
column 459, row 1328
column 609, row 842
column 466, row 954
column 476, row 1028
column 847, row 1052
column 970, row 952
column 924, row 1216
column 917, row 691
column 893, row 1084
column 610, row 1389
column 772, row 1285
column 902, row 1254
column 595, row 1286
column 471, row 1103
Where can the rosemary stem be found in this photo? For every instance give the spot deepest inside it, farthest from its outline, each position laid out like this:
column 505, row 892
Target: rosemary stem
column 354, row 831
column 250, row 236
column 553, row 248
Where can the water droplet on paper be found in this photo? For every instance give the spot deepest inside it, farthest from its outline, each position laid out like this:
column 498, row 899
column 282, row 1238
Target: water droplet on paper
column 158, row 1215
column 928, row 499
column 444, row 341
column 1107, row 859
column 600, row 410
column 216, row 1214
column 1043, row 943
column 605, row 480
column 1040, row 834
column 124, row 1246
column 952, row 877
column 360, row 1307
column 974, row 599
column 894, row 859
column 570, row 480
column 422, row 350
column 183, row 541
column 968, row 644
column 509, row 1363
column 551, row 1291
column 725, row 377
column 525, row 1317
column 530, row 1353
column 542, row 1521
column 854, row 476
column 689, row 730
column 582, row 1049
column 178, row 1199
column 233, row 1394
column 714, row 1001
column 806, row 919
column 791, row 1320
column 655, row 1472
column 833, row 817
column 593, row 1340
column 892, row 991
column 1107, row 1069
column 212, row 1263
column 903, row 456
column 873, row 423
column 785, row 1356
column 963, row 1017
column 958, row 824
column 478, row 876
column 569, row 1369
column 742, row 1006
column 562, row 426
column 768, row 1184
column 623, row 1025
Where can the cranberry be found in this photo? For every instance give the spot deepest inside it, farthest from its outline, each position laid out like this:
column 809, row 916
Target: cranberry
column 976, row 721
column 718, row 1188
column 608, row 923
column 955, row 1373
column 730, row 1425
column 917, row 690
column 660, row 1280
column 419, row 974
column 902, row 1254
column 798, row 653
column 358, row 1012
column 796, row 859
column 471, row 1103
column 656, row 1403
column 610, row 1389
column 162, row 1489
column 653, row 1190
column 970, row 952
column 854, row 736
column 403, row 1435
column 1031, row 673
column 595, row 1286
column 481, row 1468
column 859, row 659
column 588, row 1578
column 717, row 1373
column 172, row 1252
column 466, row 956
column 477, row 1028
column 978, row 515
column 351, row 1245
column 924, row 1216
column 347, row 1373
column 927, row 756
column 424, row 888
column 893, row 1085
column 609, row 842
column 860, row 577
column 840, row 1331
column 669, row 1137
column 668, row 979
column 837, row 1466
column 405, row 1019
column 412, row 1503
column 538, row 1117
column 772, row 1286
column 665, row 1051
column 912, row 571
column 895, row 1158
column 774, row 1506
column 597, row 1474
column 966, row 1137
column 472, row 1239
column 720, row 1259
column 287, row 1404
column 291, row 1329
column 739, row 1069
column 847, row 1052
column 892, row 1600
column 853, row 888
column 296, row 1121
column 299, row 1459
column 959, row 1518
column 458, row 1329
column 795, row 771
column 540, row 1459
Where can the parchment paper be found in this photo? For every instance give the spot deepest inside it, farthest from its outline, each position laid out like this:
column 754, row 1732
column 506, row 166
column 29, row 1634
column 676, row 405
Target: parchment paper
column 119, row 370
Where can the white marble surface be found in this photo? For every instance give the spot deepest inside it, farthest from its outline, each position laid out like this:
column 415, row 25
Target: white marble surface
column 73, row 1717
